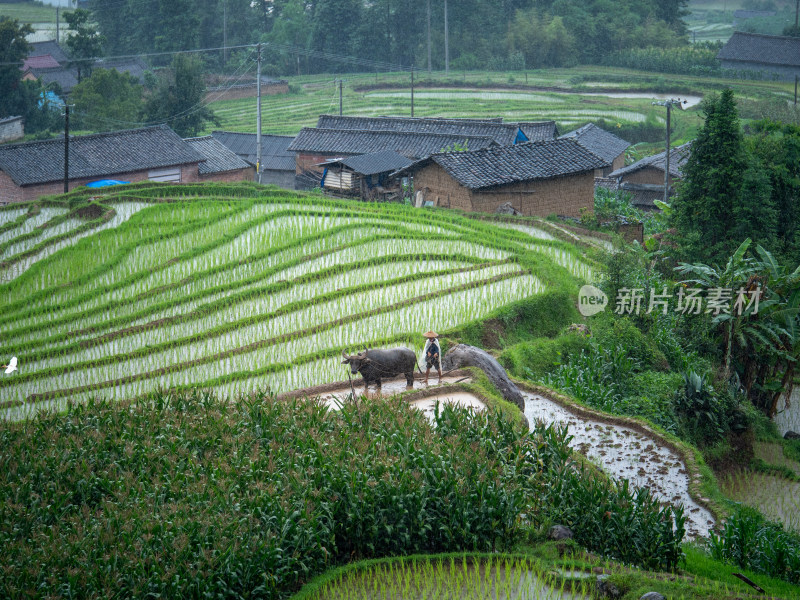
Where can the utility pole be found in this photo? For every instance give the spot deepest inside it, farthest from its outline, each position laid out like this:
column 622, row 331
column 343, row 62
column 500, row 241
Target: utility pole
column 412, row 91
column 58, row 24
column 224, row 32
column 429, row 36
column 446, row 43
column 669, row 104
column 340, row 96
column 258, row 118
column 66, row 147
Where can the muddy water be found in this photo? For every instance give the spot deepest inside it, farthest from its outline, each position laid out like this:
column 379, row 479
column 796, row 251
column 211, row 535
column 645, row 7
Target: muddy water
column 625, row 453
column 390, row 388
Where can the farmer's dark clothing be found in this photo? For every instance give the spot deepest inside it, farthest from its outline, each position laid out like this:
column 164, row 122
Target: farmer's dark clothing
column 431, row 360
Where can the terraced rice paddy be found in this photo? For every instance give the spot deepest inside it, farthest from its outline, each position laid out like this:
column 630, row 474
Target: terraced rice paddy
column 453, row 578
column 237, row 294
column 286, row 114
column 630, row 454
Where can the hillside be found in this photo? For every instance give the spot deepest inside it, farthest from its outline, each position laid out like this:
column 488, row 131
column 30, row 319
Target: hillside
column 230, row 289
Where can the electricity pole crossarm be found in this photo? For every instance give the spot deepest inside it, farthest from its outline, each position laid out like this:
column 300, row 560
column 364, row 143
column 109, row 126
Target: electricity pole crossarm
column 669, row 104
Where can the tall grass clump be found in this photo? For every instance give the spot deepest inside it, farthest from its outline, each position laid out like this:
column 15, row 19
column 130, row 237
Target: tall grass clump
column 611, row 518
column 749, row 541
column 181, row 496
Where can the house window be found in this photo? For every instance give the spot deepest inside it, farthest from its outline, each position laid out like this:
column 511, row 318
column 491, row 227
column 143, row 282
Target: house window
column 171, row 175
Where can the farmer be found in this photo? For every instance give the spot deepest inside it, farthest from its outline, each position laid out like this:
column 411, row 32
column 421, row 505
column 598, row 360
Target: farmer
column 432, row 355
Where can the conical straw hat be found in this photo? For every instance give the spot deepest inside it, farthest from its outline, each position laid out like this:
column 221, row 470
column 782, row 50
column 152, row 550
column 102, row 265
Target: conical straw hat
column 431, row 334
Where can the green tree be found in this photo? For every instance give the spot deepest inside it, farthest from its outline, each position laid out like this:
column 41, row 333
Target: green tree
column 177, row 99
column 108, row 99
column 14, row 49
column 85, row 43
column 703, row 211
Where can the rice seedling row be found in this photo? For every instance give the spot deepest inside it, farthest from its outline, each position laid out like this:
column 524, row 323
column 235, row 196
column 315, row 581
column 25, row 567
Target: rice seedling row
column 473, row 299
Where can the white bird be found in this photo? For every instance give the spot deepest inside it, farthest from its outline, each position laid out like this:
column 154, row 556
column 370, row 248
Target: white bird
column 11, row 366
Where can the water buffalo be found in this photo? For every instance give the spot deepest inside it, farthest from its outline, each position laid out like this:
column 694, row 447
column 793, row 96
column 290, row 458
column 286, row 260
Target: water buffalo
column 375, row 365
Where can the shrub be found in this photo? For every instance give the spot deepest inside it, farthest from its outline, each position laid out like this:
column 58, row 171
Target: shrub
column 751, row 542
column 541, row 356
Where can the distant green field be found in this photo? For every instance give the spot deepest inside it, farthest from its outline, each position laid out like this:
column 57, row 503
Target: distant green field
column 28, row 12
column 571, row 97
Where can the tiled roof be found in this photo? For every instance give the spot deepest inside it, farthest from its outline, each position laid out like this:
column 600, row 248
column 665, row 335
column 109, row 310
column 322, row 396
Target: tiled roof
column 274, row 153
column 352, row 142
column 766, row 49
column 135, row 67
column 49, row 48
column 218, row 158
column 677, row 159
column 372, row 164
column 66, row 78
column 502, row 165
column 539, row 130
column 45, row 61
column 503, row 133
column 604, row 144
column 96, row 155
column 9, row 119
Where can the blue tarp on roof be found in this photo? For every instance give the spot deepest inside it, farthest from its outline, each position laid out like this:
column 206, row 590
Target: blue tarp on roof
column 105, row 183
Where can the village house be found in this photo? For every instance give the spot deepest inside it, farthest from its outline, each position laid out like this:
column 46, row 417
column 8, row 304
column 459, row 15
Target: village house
column 220, row 163
column 277, row 162
column 34, row 169
column 553, row 177
column 367, row 176
column 415, row 138
column 644, row 179
column 600, row 142
column 314, row 146
column 771, row 55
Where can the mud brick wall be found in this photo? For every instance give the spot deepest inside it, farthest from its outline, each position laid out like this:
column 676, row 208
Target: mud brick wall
column 648, row 175
column 560, row 196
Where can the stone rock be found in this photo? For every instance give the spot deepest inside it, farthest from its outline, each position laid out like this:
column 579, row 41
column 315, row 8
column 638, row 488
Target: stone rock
column 469, row 356
column 559, row 532
column 606, row 589
column 791, row 435
column 653, row 596
column 507, row 209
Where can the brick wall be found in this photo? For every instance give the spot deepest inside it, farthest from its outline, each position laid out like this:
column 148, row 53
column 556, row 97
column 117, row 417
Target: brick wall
column 561, row 196
column 10, row 192
column 11, row 130
column 230, row 176
column 441, row 189
column 649, row 175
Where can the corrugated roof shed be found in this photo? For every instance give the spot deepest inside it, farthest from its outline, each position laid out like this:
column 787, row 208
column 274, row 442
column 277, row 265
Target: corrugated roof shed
column 677, row 159
column 97, row 155
column 604, row 144
column 353, row 142
column 372, row 164
column 502, row 165
column 759, row 48
column 502, row 133
column 218, row 158
column 275, row 155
